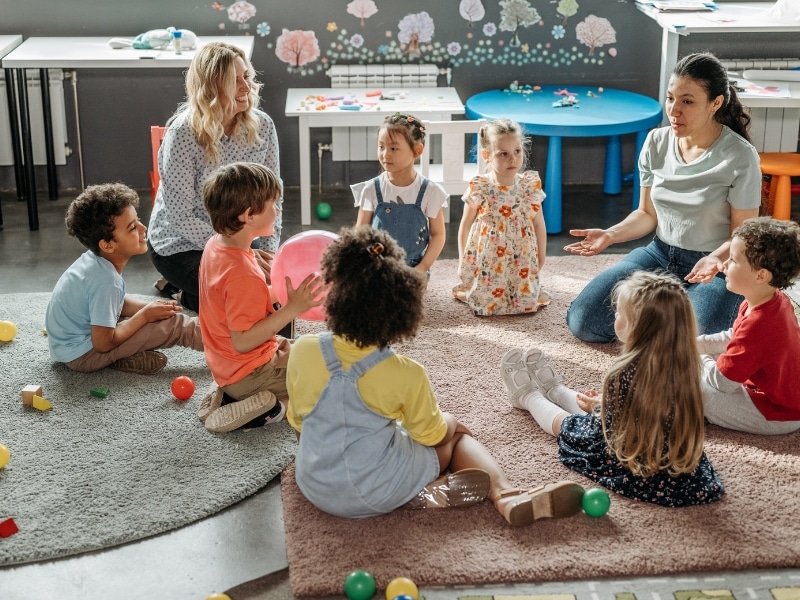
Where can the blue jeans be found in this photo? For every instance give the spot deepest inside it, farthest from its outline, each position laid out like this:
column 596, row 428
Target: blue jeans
column 590, row 317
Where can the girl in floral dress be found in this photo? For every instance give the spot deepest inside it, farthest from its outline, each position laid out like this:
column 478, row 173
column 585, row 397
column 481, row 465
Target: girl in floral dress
column 643, row 438
column 502, row 236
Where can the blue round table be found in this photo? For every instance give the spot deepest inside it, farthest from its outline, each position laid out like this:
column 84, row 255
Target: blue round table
column 611, row 113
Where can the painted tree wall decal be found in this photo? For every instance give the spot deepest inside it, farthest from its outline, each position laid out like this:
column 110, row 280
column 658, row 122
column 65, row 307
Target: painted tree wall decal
column 515, row 14
column 595, row 32
column 415, row 29
column 362, row 9
column 471, row 10
column 567, row 8
column 297, row 47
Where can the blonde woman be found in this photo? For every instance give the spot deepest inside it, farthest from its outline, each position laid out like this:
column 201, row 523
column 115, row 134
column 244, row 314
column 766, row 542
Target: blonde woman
column 217, row 125
column 644, row 437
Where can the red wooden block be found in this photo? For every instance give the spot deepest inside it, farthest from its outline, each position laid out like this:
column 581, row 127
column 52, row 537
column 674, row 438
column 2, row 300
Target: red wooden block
column 8, row 528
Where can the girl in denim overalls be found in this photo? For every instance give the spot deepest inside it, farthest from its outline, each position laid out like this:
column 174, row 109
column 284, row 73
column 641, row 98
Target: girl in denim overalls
column 401, row 201
column 372, row 436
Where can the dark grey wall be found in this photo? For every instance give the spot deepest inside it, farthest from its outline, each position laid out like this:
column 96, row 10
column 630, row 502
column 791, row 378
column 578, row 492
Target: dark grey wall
column 117, row 107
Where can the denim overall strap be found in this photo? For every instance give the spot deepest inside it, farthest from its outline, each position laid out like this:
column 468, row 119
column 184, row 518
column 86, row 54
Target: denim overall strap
column 422, row 189
column 378, row 195
column 357, row 369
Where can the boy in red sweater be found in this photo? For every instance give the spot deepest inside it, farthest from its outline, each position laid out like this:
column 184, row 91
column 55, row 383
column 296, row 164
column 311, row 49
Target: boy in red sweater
column 751, row 373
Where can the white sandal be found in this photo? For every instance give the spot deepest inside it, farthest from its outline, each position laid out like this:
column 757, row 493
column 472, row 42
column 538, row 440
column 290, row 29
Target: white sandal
column 516, row 376
column 541, row 371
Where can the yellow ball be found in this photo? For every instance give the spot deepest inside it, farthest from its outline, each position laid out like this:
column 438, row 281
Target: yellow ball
column 7, row 331
column 219, row 597
column 4, row 456
column 401, row 586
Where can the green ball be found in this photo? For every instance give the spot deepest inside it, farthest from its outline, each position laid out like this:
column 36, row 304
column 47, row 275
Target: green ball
column 324, row 210
column 596, row 502
column 359, row 585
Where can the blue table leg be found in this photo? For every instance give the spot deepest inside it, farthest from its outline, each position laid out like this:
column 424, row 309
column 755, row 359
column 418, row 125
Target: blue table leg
column 612, row 179
column 641, row 136
column 551, row 208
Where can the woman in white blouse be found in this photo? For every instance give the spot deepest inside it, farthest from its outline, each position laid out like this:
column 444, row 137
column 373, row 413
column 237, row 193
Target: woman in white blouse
column 217, row 125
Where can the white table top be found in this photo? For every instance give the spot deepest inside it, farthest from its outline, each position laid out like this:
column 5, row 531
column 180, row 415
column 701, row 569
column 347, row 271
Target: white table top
column 8, row 43
column 95, row 53
column 730, row 17
column 417, row 101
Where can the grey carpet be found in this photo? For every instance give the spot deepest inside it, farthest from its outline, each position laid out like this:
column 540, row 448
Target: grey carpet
column 92, row 473
column 754, row 527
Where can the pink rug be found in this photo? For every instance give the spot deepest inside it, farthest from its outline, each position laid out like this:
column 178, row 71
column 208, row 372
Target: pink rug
column 755, row 526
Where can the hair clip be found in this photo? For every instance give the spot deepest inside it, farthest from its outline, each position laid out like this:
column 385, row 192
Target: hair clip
column 377, row 249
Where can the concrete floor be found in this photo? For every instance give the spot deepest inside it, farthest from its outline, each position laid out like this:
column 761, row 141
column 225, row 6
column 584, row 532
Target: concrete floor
column 242, row 549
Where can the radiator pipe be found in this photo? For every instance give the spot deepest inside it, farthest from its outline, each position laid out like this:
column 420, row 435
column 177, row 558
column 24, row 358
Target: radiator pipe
column 320, row 149
column 74, row 76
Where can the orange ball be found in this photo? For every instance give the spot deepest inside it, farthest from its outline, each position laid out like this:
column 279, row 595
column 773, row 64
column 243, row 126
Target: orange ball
column 182, row 387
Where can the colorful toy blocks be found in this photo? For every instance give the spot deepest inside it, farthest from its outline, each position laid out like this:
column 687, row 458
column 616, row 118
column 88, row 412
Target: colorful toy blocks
column 40, row 403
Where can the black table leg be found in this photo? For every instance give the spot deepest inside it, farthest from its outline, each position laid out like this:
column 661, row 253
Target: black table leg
column 52, row 183
column 27, row 151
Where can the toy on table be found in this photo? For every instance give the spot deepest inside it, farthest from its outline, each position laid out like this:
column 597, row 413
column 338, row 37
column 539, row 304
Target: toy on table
column 566, row 102
column 515, row 88
column 359, row 585
column 8, row 331
column 182, row 387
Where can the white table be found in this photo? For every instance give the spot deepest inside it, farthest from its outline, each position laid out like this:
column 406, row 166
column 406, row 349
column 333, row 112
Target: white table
column 431, row 104
column 79, row 53
column 7, row 44
column 730, row 17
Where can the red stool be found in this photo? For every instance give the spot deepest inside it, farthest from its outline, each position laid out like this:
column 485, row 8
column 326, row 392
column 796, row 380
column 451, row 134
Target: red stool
column 781, row 166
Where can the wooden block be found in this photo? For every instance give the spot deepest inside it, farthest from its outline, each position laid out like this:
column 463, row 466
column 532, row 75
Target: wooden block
column 8, row 528
column 28, row 392
column 100, row 392
column 40, row 403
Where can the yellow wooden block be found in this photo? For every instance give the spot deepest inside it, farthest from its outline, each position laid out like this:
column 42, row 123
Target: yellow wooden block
column 40, row 403
column 28, row 392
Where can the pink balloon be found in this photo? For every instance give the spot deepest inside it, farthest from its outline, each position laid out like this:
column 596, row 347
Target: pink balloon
column 297, row 258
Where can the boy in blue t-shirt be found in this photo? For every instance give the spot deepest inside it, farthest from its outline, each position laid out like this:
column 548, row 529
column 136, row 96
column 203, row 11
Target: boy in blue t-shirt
column 91, row 322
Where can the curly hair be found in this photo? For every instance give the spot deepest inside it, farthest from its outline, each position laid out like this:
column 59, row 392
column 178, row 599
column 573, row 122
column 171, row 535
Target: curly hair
column 658, row 425
column 210, row 86
column 374, row 298
column 772, row 245
column 90, row 216
column 494, row 129
column 709, row 72
column 231, row 189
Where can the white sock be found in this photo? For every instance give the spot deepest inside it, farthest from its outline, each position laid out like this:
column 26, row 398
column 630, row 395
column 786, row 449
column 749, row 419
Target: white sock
column 566, row 399
column 541, row 409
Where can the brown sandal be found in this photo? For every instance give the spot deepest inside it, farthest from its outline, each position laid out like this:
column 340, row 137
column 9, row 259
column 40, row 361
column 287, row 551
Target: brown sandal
column 561, row 499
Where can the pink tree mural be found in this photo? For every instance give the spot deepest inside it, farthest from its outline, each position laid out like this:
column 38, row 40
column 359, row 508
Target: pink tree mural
column 595, row 32
column 297, row 47
column 362, row 9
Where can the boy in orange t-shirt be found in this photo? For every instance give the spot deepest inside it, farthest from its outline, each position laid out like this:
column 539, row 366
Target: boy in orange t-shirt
column 239, row 323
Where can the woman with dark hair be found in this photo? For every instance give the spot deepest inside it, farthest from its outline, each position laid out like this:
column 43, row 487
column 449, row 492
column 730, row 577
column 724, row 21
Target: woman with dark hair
column 700, row 179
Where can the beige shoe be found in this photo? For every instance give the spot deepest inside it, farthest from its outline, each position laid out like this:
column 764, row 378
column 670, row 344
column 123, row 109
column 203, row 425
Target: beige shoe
column 147, row 362
column 560, row 499
column 462, row 488
column 210, row 402
column 234, row 415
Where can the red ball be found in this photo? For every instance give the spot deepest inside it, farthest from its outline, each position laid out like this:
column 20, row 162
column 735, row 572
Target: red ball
column 182, row 387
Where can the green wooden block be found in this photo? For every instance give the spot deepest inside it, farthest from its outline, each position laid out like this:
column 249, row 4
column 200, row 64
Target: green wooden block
column 100, row 392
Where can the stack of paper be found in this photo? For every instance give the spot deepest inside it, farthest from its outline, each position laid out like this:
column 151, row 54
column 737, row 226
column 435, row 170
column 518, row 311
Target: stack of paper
column 679, row 5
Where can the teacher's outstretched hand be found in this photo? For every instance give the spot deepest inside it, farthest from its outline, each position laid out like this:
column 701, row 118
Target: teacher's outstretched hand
column 594, row 241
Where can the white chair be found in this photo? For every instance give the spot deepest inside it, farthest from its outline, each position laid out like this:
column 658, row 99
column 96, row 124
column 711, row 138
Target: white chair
column 453, row 174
